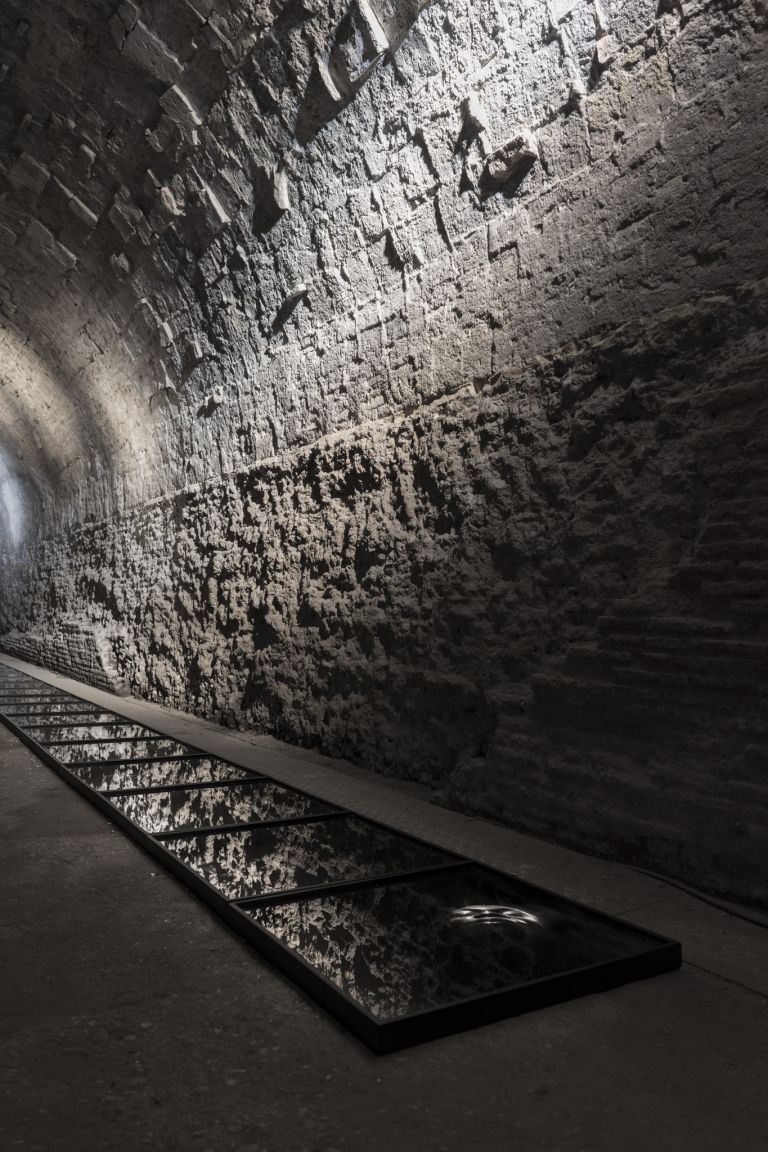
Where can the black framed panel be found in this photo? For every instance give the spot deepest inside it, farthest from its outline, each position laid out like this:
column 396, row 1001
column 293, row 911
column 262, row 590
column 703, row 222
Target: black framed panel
column 57, row 707
column 320, row 851
column 147, row 774
column 209, row 806
column 32, row 697
column 81, row 752
column 84, row 730
column 449, row 945
column 401, row 940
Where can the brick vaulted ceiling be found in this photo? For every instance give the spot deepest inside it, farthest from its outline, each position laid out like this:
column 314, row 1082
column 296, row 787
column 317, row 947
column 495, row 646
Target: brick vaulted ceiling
column 215, row 216
column 229, row 228
column 152, row 159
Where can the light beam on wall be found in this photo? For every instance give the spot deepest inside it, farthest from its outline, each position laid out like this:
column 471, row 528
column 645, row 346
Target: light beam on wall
column 12, row 514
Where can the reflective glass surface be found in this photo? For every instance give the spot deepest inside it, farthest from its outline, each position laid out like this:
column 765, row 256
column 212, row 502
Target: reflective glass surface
column 114, row 750
column 47, row 713
column 407, row 947
column 208, row 807
column 105, row 778
column 111, row 730
column 9, row 699
column 31, row 688
column 395, row 947
column 263, row 860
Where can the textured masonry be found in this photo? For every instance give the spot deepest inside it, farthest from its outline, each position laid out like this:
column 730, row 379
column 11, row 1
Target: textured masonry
column 388, row 375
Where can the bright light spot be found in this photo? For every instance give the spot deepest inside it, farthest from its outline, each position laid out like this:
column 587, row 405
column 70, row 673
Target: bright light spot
column 492, row 914
column 11, row 507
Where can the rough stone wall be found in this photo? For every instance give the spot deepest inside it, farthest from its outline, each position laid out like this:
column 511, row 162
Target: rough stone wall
column 417, row 411
column 230, row 229
column 405, row 595
column 72, row 647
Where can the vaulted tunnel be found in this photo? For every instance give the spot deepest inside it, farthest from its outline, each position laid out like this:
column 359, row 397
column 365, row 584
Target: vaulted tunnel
column 389, row 376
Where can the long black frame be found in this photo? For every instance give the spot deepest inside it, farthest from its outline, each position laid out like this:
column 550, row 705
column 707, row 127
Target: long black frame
column 381, row 1036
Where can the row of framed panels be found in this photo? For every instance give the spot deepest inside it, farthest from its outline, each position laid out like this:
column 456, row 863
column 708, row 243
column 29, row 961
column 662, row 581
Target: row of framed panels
column 400, row 939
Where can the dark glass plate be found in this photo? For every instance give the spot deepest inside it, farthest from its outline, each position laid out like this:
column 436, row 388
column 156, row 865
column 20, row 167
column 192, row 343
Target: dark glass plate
column 110, row 730
column 117, row 750
column 263, row 860
column 184, row 809
column 154, row 773
column 32, row 688
column 409, row 947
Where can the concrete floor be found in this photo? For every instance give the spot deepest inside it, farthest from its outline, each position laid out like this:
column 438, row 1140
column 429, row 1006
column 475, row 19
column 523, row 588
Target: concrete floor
column 131, row 1018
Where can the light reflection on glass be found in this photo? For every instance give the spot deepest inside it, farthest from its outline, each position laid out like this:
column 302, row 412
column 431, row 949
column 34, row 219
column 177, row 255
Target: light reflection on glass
column 111, row 750
column 37, row 714
column 186, row 809
column 153, row 773
column 71, row 732
column 281, row 857
column 398, row 948
column 493, row 914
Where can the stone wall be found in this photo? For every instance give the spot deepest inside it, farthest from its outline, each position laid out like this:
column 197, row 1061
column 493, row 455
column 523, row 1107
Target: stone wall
column 408, row 392
column 230, row 229
column 73, row 647
column 406, row 594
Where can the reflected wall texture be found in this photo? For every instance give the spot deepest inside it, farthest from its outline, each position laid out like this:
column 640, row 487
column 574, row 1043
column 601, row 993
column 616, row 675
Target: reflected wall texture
column 388, row 376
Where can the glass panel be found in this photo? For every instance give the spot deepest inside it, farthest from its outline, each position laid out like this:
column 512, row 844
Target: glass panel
column 31, row 686
column 207, row 807
column 106, row 778
column 410, row 946
column 262, row 860
column 41, row 713
column 28, row 682
column 10, row 698
column 111, row 730
column 115, row 750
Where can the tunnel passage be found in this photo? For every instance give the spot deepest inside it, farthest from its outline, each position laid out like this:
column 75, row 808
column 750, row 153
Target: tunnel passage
column 388, row 375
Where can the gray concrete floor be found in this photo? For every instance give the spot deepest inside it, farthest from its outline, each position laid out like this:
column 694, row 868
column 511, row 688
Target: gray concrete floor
column 131, row 1018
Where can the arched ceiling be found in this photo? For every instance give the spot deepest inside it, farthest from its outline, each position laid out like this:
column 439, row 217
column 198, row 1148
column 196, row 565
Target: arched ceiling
column 148, row 155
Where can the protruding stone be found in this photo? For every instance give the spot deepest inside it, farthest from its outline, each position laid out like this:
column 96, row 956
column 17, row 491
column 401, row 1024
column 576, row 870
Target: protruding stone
column 602, row 20
column 178, row 107
column 29, row 174
column 475, row 121
column 38, row 236
column 295, row 293
column 120, row 264
column 166, row 209
column 327, row 82
column 194, row 351
column 508, row 166
column 166, row 396
column 149, row 52
column 128, row 218
column 63, row 255
column 605, row 52
column 363, row 46
column 281, row 189
column 150, row 184
column 82, row 212
column 216, row 214
column 85, row 158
